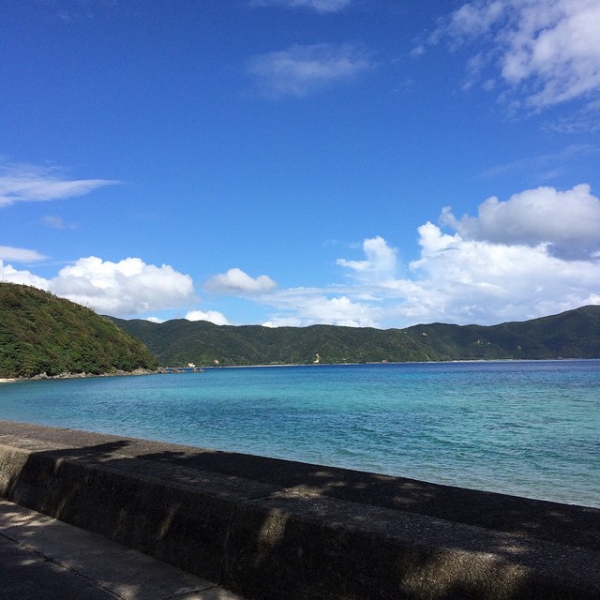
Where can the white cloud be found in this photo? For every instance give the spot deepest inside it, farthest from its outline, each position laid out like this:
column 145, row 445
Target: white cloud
column 459, row 280
column 236, row 282
column 380, row 262
column 27, row 183
column 320, row 6
column 547, row 50
column 301, row 306
column 463, row 281
column 586, row 121
column 302, row 70
column 536, row 254
column 212, row 316
column 568, row 221
column 20, row 255
column 11, row 275
column 128, row 287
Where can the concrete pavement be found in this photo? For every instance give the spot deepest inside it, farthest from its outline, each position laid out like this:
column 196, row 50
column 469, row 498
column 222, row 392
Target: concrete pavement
column 46, row 559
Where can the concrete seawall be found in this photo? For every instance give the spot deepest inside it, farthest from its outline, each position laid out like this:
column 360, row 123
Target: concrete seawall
column 273, row 529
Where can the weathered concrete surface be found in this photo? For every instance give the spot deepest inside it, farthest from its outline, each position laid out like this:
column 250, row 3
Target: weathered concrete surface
column 45, row 559
column 274, row 529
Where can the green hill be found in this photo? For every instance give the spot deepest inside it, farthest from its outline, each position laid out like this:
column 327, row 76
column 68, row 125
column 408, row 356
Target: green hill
column 40, row 333
column 179, row 342
column 573, row 334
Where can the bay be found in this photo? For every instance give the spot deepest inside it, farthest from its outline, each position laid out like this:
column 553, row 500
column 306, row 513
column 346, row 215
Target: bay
column 528, row 428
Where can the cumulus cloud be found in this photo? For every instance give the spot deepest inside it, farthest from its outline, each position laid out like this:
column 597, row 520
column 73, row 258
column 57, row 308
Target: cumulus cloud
column 11, row 275
column 460, row 280
column 478, row 281
column 28, row 183
column 212, row 316
column 547, row 50
column 236, row 282
column 535, row 254
column 125, row 288
column 320, row 6
column 303, row 70
column 379, row 263
column 569, row 221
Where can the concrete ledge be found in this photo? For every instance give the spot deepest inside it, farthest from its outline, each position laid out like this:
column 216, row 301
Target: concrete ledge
column 272, row 529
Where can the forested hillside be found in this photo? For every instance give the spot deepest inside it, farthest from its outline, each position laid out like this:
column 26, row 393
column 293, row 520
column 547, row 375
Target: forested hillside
column 40, row 333
column 573, row 334
column 178, row 342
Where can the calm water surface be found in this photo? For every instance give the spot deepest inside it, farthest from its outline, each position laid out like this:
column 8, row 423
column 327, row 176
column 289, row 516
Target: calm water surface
column 525, row 428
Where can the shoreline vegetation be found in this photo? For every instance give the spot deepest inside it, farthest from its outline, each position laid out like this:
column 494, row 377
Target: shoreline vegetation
column 118, row 373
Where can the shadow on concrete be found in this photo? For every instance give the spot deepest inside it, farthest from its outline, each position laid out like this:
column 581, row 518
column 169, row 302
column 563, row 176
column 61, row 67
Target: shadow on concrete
column 272, row 529
column 561, row 523
column 47, row 559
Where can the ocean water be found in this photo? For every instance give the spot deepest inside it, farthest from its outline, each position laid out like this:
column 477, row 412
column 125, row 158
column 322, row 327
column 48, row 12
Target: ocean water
column 524, row 428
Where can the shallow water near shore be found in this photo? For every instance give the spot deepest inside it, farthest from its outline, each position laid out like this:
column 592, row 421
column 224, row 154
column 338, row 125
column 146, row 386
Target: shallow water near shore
column 525, row 428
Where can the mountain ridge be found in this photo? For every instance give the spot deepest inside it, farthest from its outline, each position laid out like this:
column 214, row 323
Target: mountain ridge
column 571, row 334
column 40, row 333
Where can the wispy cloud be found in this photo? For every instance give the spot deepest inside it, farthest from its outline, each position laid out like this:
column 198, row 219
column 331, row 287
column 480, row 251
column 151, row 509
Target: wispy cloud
column 545, row 53
column 28, row 183
column 320, row 6
column 20, row 255
column 302, row 70
column 55, row 222
column 544, row 164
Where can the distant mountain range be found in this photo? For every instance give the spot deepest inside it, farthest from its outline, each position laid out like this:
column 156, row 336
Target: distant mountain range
column 572, row 334
column 40, row 333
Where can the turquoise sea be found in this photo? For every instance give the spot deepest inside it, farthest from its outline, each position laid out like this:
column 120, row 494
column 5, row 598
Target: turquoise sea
column 525, row 428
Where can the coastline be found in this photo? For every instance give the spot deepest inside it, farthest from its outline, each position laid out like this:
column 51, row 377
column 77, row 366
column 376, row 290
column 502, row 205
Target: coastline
column 183, row 370
column 44, row 376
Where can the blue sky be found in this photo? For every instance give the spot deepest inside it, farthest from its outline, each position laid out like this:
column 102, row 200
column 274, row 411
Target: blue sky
column 288, row 162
